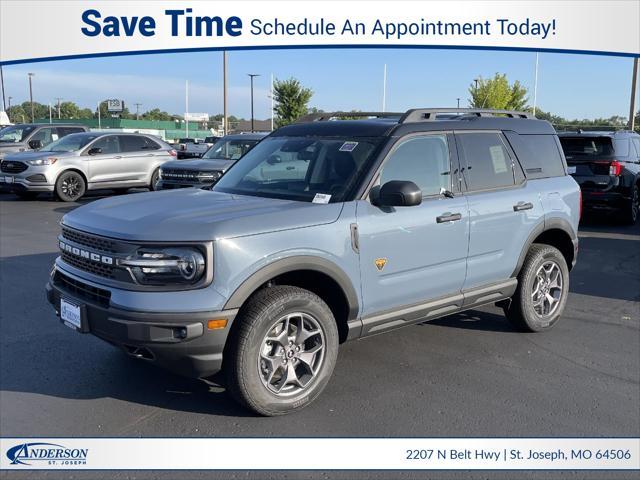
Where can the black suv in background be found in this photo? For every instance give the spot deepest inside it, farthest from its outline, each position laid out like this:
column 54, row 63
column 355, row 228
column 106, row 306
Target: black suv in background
column 607, row 167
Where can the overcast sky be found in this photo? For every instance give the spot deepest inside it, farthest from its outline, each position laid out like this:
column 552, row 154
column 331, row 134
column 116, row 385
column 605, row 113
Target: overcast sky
column 574, row 86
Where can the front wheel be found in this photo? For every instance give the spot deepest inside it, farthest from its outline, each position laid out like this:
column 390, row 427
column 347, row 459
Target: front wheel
column 543, row 287
column 283, row 351
column 70, row 186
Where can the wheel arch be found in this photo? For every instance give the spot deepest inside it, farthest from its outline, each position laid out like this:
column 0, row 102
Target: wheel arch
column 321, row 276
column 556, row 232
column 73, row 169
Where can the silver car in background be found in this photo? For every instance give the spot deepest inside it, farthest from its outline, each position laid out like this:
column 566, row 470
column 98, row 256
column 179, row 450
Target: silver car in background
column 79, row 162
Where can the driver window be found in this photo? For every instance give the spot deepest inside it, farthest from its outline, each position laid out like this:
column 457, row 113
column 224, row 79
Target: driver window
column 108, row 144
column 422, row 160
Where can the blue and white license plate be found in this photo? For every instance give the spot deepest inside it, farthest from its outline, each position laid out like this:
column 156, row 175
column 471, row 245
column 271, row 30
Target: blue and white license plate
column 70, row 314
column 571, row 170
column 8, row 179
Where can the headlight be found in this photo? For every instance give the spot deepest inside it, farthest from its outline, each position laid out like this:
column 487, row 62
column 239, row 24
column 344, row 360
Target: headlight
column 184, row 266
column 209, row 176
column 42, row 161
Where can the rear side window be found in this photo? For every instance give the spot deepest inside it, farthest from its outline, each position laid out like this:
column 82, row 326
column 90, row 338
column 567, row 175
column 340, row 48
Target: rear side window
column 64, row 131
column 538, row 154
column 487, row 163
column 636, row 144
column 130, row 143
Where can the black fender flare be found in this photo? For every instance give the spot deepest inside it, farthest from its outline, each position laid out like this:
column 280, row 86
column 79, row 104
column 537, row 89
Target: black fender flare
column 290, row 264
column 548, row 224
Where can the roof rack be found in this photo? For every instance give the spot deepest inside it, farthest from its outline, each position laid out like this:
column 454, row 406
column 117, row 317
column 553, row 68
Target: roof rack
column 325, row 116
column 431, row 114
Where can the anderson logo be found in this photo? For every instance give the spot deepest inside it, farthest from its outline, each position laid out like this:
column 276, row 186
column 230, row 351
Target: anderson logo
column 50, row 453
column 79, row 252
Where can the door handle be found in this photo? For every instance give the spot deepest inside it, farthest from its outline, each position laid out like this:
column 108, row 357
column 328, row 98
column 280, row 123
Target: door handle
column 449, row 217
column 118, row 156
column 290, row 168
column 520, row 206
column 150, row 154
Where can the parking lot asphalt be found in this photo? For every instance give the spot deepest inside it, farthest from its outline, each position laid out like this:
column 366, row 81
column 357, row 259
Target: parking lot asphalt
column 469, row 374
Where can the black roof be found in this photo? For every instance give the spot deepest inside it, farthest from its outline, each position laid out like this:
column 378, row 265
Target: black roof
column 596, row 133
column 416, row 120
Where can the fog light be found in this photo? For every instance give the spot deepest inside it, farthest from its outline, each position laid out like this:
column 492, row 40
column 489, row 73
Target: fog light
column 180, row 333
column 217, row 324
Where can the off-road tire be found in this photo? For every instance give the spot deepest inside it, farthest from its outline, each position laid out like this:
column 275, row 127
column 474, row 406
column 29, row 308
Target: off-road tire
column 520, row 310
column 246, row 342
column 629, row 214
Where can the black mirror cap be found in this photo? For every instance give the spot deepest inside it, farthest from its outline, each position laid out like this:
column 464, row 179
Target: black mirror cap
column 399, row 193
column 35, row 144
column 94, row 151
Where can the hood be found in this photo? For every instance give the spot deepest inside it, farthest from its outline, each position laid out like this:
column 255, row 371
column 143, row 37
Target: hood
column 199, row 164
column 195, row 215
column 33, row 155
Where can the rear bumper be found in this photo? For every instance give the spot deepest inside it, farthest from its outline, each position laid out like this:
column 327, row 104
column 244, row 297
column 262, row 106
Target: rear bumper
column 603, row 201
column 179, row 342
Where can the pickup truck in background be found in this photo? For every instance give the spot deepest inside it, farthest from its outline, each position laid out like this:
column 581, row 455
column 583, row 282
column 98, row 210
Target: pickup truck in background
column 194, row 147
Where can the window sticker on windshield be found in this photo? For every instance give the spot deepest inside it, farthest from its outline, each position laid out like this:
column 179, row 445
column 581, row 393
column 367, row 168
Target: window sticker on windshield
column 348, row 146
column 498, row 158
column 321, row 198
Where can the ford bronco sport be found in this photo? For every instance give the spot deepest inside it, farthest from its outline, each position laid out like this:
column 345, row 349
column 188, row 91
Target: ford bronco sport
column 392, row 221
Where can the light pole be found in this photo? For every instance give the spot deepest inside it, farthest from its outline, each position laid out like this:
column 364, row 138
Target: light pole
column 458, row 101
column 225, row 119
column 632, row 103
column 535, row 87
column 251, row 75
column 137, row 110
column 58, row 100
column 30, row 75
column 4, row 99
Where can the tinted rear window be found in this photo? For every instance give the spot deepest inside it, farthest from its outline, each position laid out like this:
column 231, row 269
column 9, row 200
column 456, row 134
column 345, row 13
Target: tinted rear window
column 538, row 154
column 488, row 164
column 587, row 146
column 129, row 143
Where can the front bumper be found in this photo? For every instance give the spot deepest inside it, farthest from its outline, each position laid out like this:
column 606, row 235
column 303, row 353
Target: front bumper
column 170, row 185
column 179, row 342
column 22, row 184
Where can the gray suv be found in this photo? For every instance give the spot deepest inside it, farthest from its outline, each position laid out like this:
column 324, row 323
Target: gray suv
column 395, row 220
column 79, row 162
column 32, row 136
column 206, row 171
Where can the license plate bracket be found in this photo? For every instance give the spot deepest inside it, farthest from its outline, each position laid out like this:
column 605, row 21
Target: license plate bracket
column 8, row 179
column 74, row 315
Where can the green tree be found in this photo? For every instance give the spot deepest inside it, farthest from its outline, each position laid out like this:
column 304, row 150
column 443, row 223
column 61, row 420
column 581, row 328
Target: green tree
column 497, row 93
column 291, row 100
column 156, row 114
column 68, row 110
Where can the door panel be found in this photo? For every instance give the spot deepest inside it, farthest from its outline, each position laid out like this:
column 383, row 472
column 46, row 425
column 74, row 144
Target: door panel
column 101, row 165
column 424, row 259
column 139, row 155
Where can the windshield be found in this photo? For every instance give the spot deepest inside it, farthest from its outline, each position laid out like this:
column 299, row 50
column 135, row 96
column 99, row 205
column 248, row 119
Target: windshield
column 587, row 146
column 229, row 149
column 15, row 133
column 70, row 143
column 307, row 169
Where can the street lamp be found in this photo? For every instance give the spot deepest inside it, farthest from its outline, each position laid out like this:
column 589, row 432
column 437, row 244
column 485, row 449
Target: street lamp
column 30, row 75
column 458, row 102
column 251, row 75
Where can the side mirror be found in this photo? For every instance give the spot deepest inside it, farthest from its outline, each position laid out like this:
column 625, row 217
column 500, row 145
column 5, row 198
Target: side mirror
column 273, row 159
column 35, row 144
column 397, row 193
column 94, row 151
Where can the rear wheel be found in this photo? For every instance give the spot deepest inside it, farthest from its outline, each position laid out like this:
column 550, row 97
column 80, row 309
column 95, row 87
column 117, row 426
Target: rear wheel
column 629, row 215
column 70, row 186
column 283, row 352
column 543, row 286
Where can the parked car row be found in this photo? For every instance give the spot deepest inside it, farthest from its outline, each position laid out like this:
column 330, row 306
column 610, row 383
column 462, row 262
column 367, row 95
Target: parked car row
column 68, row 161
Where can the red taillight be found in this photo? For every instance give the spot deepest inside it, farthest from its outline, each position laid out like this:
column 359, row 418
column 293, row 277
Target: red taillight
column 580, row 206
column 615, row 168
column 173, row 153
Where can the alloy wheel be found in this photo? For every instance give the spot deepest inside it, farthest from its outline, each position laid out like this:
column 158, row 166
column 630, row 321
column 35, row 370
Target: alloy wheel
column 291, row 354
column 547, row 289
column 71, row 186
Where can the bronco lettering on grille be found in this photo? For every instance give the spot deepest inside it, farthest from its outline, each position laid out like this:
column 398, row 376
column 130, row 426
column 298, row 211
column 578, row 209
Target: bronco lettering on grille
column 79, row 252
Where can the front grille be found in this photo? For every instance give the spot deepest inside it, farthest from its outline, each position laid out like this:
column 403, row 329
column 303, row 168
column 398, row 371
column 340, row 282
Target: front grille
column 100, row 269
column 98, row 243
column 13, row 167
column 190, row 175
column 82, row 290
